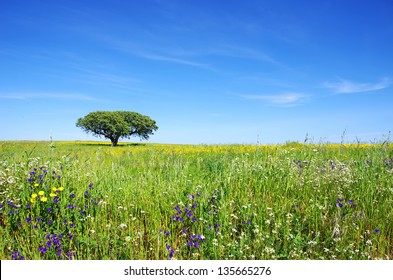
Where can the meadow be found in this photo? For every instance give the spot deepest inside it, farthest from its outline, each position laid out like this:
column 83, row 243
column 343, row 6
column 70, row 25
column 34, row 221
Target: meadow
column 91, row 201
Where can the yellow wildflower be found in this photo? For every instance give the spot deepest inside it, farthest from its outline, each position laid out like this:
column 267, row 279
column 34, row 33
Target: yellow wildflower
column 52, row 194
column 43, row 199
column 61, row 189
column 32, row 200
column 41, row 193
column 54, row 189
column 36, row 185
column 34, row 195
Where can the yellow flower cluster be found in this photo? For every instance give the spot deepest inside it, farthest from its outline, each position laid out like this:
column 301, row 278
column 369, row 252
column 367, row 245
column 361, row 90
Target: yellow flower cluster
column 41, row 194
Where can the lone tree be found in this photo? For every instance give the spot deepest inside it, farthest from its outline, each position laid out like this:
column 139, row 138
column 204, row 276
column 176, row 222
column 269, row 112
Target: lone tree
column 117, row 124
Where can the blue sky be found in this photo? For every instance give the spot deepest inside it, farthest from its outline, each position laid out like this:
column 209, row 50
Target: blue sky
column 212, row 72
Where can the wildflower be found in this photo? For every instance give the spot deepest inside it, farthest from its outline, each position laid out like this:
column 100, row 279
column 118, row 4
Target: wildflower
column 70, row 254
column 44, row 199
column 122, row 225
column 128, row 238
column 41, row 193
column 16, row 255
column 34, row 195
column 70, row 206
column 50, row 209
column 72, row 195
column 90, row 185
column 56, row 200
column 52, row 194
column 191, row 196
column 377, row 231
column 36, row 185
column 28, row 220
column 171, row 251
column 42, row 249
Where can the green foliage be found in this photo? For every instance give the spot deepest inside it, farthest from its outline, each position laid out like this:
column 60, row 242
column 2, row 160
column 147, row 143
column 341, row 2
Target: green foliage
column 114, row 125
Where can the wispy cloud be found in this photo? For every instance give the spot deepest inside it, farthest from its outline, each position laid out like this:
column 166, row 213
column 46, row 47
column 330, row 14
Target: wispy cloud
column 58, row 96
column 288, row 99
column 176, row 60
column 345, row 86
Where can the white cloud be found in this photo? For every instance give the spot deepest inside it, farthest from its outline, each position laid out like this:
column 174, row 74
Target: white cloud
column 176, row 60
column 287, row 99
column 345, row 86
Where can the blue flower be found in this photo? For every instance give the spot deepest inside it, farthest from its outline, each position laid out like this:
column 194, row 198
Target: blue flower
column 16, row 255
column 42, row 249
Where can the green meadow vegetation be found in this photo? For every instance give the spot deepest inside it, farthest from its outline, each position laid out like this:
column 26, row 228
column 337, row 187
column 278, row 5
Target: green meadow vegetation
column 92, row 201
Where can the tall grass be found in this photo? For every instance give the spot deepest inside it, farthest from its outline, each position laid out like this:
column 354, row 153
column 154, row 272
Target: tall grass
column 80, row 200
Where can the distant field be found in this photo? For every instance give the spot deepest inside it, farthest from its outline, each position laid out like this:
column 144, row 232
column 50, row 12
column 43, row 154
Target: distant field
column 91, row 201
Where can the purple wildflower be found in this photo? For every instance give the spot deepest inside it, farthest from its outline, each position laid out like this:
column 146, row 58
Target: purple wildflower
column 16, row 255
column 70, row 255
column 171, row 251
column 42, row 249
column 72, row 195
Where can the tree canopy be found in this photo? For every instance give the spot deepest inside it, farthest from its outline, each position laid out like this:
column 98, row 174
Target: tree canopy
column 114, row 125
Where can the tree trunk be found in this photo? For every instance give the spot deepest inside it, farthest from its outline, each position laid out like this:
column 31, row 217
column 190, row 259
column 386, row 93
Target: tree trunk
column 115, row 140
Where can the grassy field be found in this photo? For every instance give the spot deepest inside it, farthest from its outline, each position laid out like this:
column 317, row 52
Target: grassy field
column 88, row 200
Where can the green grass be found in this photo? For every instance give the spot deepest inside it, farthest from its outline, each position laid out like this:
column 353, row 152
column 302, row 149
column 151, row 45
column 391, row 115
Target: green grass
column 151, row 201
